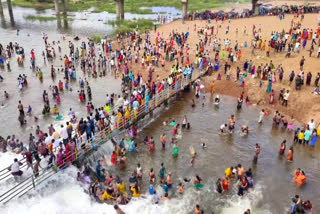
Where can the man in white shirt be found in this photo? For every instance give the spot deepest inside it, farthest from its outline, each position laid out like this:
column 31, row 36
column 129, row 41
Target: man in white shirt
column 108, row 99
column 223, row 128
column 126, row 103
column 71, row 113
column 48, row 139
column 314, row 36
column 134, row 93
column 120, row 101
column 286, row 37
column 311, row 125
column 285, row 98
column 15, row 168
column 64, row 134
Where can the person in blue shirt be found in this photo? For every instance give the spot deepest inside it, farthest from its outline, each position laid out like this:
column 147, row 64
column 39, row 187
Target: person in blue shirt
column 165, row 187
column 151, row 189
column 293, row 206
column 131, row 146
column 122, row 143
column 135, row 104
column 91, row 122
column 216, row 66
column 307, row 135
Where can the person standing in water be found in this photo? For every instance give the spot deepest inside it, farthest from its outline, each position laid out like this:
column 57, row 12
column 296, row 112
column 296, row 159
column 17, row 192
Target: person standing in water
column 219, row 186
column 282, row 147
column 162, row 173
column 197, row 209
column 163, row 140
column 257, row 151
column 261, row 115
column 290, row 154
column 232, row 121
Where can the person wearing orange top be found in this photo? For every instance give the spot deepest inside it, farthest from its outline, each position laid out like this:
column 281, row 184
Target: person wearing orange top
column 239, row 54
column 225, row 184
column 113, row 158
column 301, row 178
column 212, row 88
column 50, row 145
column 290, row 154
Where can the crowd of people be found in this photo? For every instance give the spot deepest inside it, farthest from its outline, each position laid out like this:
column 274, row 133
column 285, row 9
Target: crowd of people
column 59, row 146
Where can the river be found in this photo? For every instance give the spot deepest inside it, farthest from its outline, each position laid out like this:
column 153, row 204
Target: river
column 273, row 175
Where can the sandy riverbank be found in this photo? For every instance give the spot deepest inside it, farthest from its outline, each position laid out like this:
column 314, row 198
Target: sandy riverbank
column 302, row 104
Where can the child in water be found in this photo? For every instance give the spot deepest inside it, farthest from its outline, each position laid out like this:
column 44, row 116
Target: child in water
column 193, row 158
column 181, row 188
column 29, row 110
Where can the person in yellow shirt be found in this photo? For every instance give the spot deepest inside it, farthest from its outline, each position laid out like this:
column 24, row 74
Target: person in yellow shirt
column 301, row 136
column 135, row 113
column 263, row 46
column 318, row 130
column 127, row 114
column 122, row 188
column 228, row 173
column 135, row 191
column 106, row 196
column 54, row 109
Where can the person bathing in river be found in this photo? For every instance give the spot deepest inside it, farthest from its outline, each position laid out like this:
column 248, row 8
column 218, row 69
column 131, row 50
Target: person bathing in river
column 163, row 140
column 232, row 121
column 223, row 128
column 219, row 186
column 282, row 147
column 257, row 152
column 152, row 176
column 217, row 100
column 181, row 188
column 169, row 181
column 175, row 130
column 197, row 182
column 261, row 115
column 184, row 121
column 139, row 171
column 245, row 130
column 193, row 158
column 162, row 173
column 300, row 178
column 290, row 154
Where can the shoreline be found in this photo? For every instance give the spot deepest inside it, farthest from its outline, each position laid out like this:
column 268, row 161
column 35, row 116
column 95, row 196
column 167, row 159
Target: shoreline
column 142, row 7
column 260, row 97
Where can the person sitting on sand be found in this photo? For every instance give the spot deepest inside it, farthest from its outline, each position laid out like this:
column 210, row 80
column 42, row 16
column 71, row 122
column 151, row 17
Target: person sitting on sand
column 316, row 91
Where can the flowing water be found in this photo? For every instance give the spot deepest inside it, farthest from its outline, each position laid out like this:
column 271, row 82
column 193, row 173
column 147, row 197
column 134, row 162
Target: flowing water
column 272, row 175
column 63, row 194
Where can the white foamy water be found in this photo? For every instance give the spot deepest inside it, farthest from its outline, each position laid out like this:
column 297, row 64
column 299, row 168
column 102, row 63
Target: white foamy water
column 63, row 194
column 7, row 158
column 249, row 201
